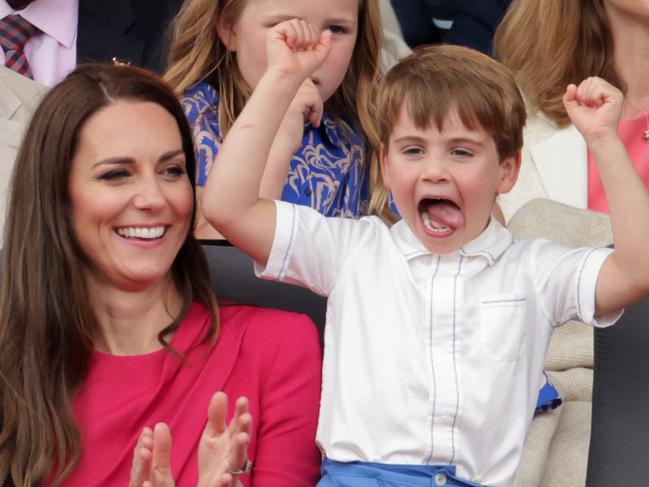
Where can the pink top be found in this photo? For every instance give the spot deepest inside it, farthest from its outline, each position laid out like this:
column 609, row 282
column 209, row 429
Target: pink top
column 631, row 133
column 53, row 53
column 272, row 357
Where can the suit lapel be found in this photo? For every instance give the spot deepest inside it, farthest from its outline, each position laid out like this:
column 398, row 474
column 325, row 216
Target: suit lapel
column 562, row 164
column 10, row 130
column 103, row 28
column 9, row 102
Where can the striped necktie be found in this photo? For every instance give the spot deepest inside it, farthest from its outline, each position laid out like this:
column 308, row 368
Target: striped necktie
column 14, row 34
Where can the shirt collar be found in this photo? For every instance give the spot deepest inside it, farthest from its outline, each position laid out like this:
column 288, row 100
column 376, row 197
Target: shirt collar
column 56, row 18
column 339, row 132
column 490, row 244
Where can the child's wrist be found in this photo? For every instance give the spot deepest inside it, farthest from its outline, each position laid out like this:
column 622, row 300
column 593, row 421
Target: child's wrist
column 606, row 145
column 280, row 75
column 602, row 138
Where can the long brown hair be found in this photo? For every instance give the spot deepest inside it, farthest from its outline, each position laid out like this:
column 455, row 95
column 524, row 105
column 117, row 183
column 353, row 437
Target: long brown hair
column 46, row 318
column 551, row 43
column 197, row 54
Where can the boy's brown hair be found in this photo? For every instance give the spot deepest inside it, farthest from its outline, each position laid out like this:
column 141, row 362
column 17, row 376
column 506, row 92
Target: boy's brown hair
column 438, row 79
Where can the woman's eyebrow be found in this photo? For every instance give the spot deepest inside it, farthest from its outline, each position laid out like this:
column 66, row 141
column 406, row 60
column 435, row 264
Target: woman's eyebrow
column 114, row 160
column 130, row 160
column 170, row 155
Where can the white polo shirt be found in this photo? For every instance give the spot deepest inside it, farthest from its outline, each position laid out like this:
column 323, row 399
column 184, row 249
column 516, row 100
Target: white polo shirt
column 431, row 359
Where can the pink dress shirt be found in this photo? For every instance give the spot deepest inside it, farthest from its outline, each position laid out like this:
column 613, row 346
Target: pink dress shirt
column 53, row 53
column 272, row 357
column 631, row 133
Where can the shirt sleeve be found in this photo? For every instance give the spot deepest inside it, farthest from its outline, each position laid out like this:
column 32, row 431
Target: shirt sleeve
column 566, row 281
column 310, row 249
column 286, row 454
column 206, row 132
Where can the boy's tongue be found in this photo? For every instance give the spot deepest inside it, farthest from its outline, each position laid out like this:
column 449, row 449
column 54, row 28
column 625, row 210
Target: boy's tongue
column 442, row 213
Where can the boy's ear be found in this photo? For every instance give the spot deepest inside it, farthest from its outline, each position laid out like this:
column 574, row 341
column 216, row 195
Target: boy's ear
column 227, row 35
column 509, row 173
column 383, row 159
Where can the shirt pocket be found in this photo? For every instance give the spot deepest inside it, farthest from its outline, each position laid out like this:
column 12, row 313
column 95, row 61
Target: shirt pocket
column 502, row 325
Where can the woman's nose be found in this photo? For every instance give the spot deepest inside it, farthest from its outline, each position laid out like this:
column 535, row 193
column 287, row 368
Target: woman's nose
column 149, row 196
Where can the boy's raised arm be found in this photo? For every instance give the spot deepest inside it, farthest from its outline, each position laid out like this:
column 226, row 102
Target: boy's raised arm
column 231, row 201
column 595, row 108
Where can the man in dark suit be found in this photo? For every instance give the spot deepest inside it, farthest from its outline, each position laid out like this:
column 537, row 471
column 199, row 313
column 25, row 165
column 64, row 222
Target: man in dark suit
column 470, row 23
column 133, row 31
column 63, row 33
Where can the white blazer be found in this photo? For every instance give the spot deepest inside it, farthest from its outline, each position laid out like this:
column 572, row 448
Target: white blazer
column 554, row 165
column 19, row 97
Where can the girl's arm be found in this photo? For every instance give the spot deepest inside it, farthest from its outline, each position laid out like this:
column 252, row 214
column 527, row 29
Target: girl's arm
column 289, row 138
column 231, row 201
column 595, row 108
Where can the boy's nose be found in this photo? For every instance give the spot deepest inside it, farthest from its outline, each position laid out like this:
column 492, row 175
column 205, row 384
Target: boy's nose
column 434, row 170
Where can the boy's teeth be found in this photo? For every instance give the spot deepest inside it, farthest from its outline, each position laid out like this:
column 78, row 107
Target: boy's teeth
column 430, row 226
column 141, row 232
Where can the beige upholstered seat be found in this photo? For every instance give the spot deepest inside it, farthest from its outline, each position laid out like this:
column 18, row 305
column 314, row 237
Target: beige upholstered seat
column 556, row 450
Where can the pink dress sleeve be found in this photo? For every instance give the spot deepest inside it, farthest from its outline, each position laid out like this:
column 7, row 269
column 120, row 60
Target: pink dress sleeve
column 286, row 453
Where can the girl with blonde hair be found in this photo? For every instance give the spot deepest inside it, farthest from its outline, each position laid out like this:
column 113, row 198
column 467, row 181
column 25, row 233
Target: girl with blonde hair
column 319, row 157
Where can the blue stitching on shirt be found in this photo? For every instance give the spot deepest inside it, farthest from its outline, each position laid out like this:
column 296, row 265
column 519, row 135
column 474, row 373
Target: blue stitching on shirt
column 432, row 363
column 479, row 252
column 414, row 252
column 457, row 385
column 512, row 239
column 511, row 300
column 289, row 247
column 581, row 271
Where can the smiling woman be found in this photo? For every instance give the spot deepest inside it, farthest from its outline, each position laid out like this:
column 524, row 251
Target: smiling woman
column 130, row 195
column 111, row 340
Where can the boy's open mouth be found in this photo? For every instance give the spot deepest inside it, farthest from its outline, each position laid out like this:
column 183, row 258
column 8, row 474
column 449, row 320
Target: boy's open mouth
column 440, row 215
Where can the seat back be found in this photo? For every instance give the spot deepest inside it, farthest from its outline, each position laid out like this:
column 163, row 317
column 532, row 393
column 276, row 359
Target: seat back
column 619, row 439
column 233, row 279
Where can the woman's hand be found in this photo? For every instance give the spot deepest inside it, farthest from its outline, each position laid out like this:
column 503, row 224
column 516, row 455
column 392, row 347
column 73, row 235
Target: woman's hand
column 222, row 449
column 152, row 458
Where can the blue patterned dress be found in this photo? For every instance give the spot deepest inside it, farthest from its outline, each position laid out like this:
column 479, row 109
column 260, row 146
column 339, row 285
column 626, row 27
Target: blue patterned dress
column 326, row 173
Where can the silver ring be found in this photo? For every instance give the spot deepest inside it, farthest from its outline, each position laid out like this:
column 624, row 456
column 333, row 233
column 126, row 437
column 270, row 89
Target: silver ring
column 246, row 468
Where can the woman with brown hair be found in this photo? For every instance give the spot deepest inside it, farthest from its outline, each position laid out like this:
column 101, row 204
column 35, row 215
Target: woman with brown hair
column 551, row 43
column 108, row 323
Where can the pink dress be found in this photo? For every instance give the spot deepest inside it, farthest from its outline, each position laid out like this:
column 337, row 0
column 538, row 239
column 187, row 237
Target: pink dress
column 272, row 357
column 630, row 132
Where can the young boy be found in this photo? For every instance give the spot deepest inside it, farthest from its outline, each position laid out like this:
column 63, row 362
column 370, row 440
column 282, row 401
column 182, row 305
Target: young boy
column 436, row 326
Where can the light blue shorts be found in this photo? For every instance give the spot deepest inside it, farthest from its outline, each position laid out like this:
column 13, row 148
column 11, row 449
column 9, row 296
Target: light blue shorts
column 367, row 474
